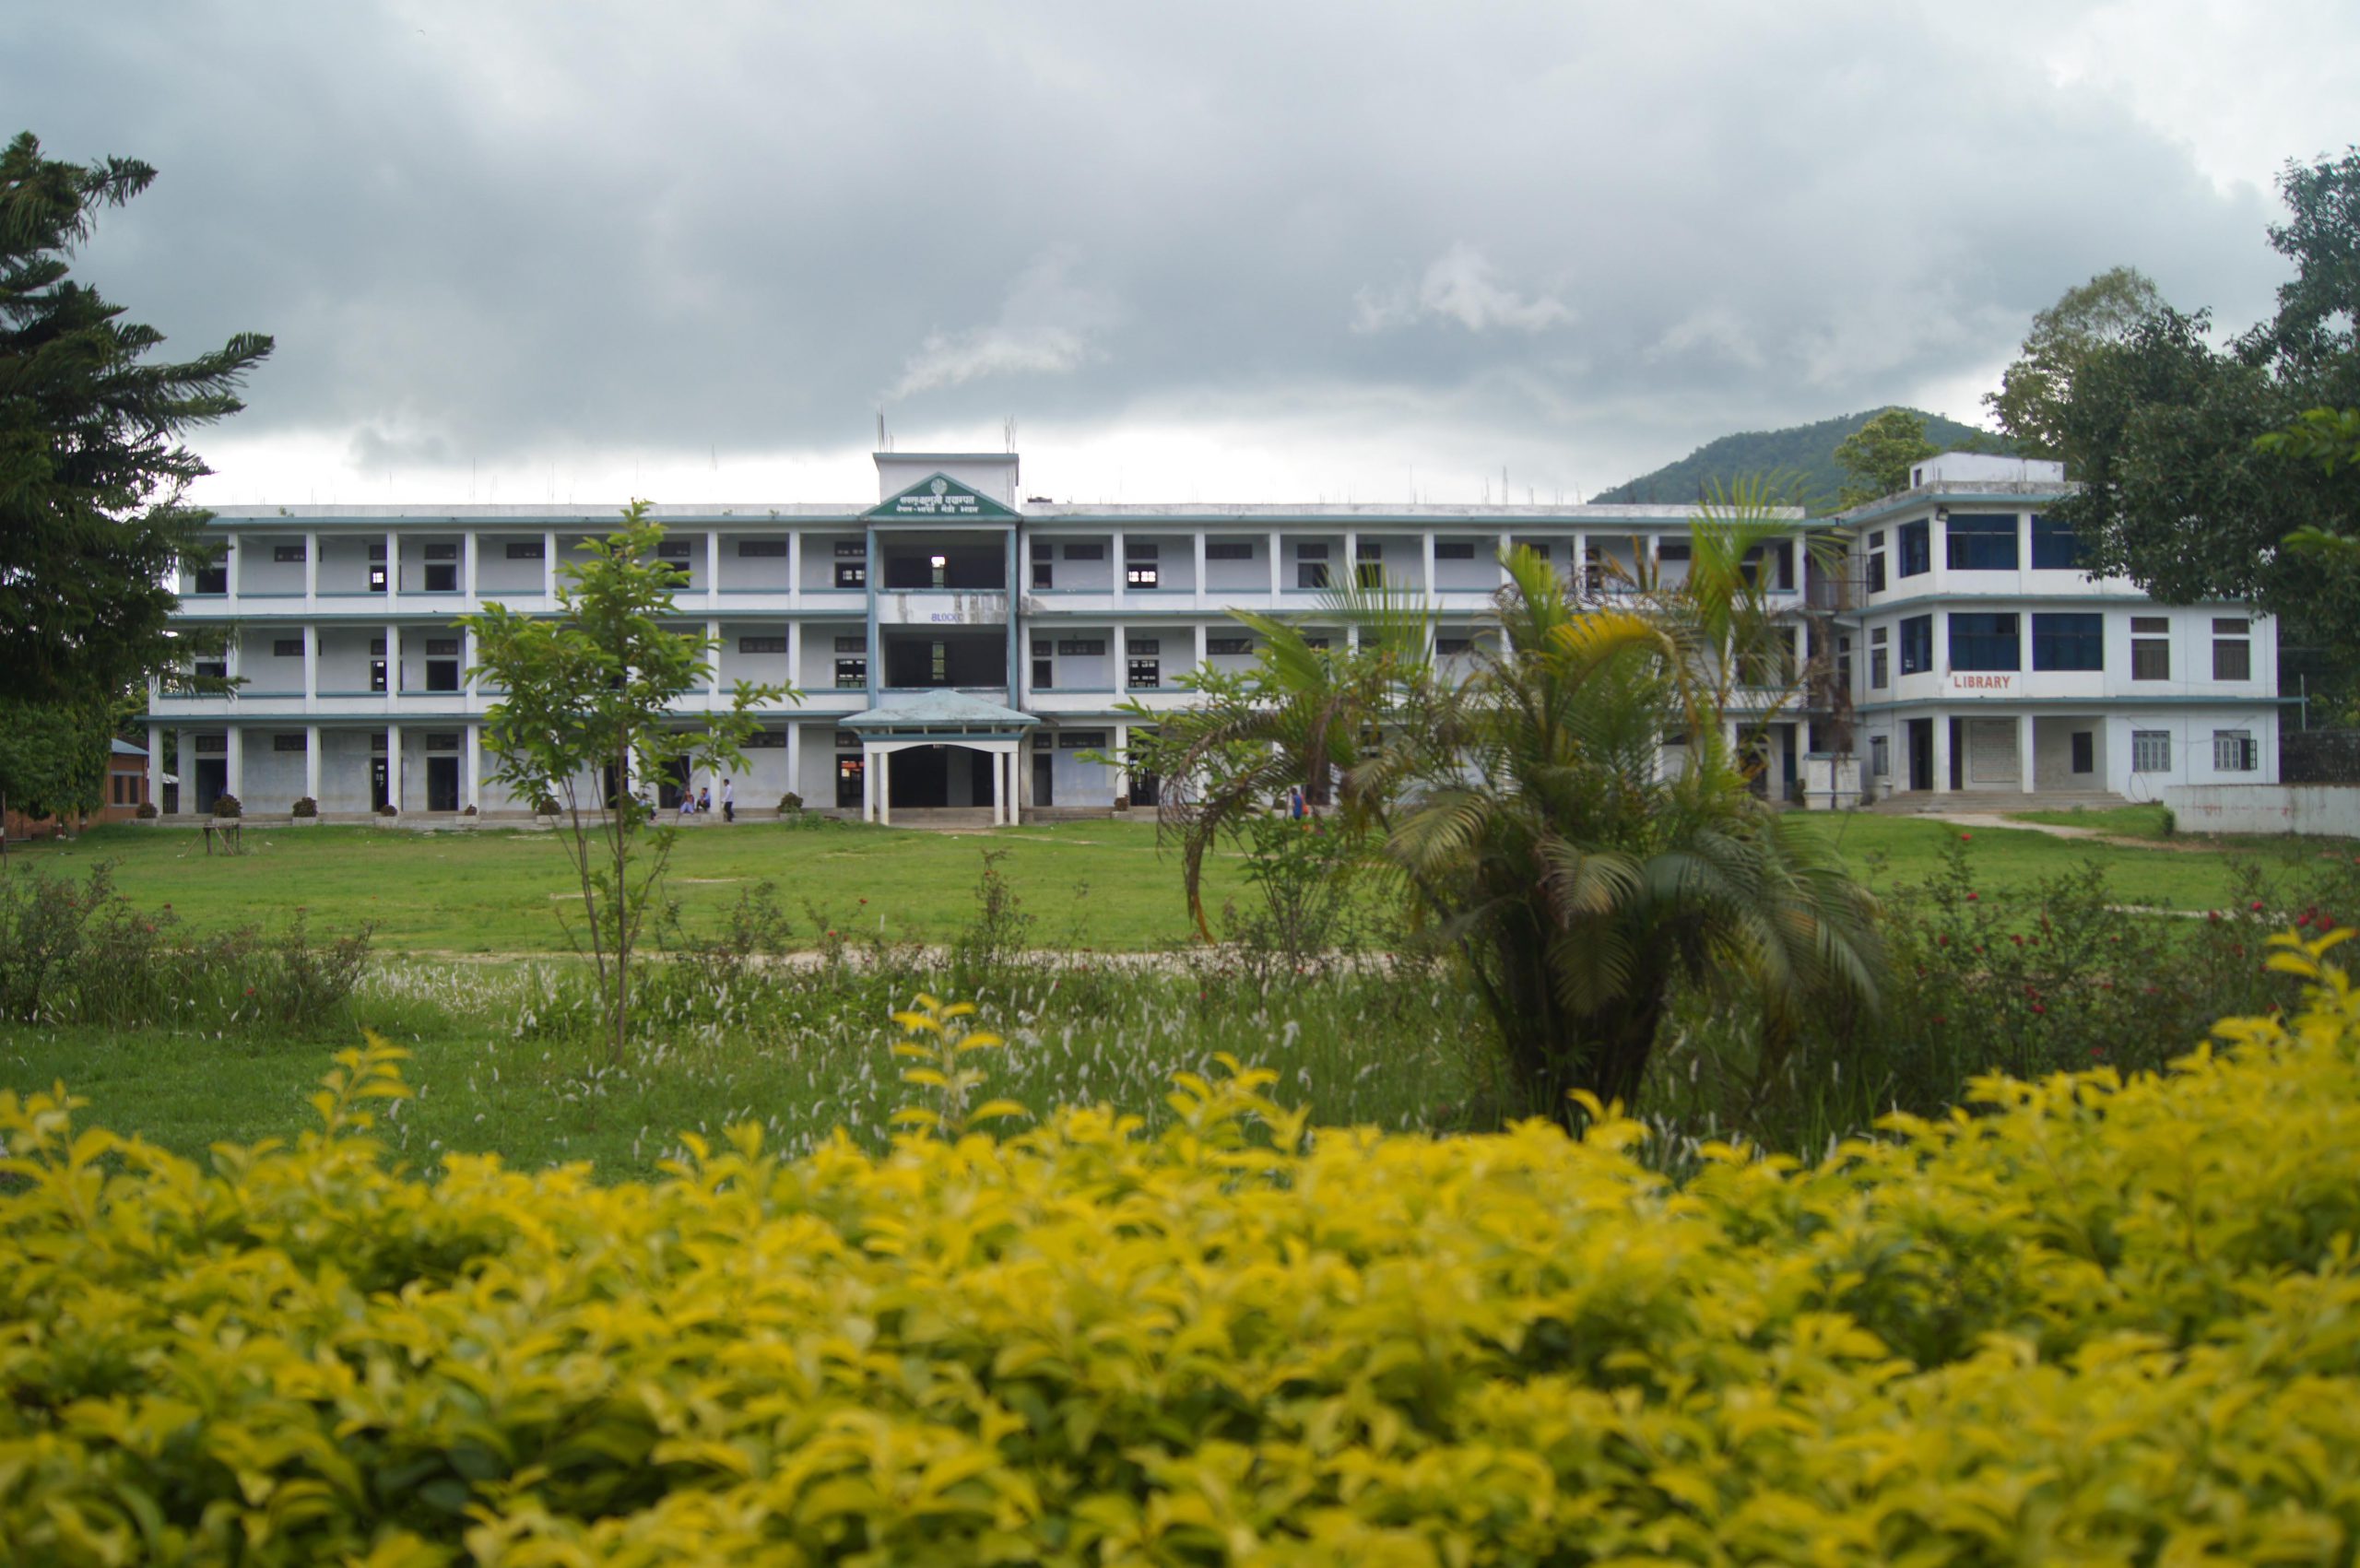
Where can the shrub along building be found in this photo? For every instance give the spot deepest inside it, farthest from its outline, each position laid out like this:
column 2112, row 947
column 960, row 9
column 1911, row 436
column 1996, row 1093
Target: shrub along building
column 959, row 647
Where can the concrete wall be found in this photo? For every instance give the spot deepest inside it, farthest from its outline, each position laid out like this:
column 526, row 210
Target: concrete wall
column 2310, row 810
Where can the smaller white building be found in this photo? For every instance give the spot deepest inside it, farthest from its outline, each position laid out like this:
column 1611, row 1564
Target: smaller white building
column 1987, row 660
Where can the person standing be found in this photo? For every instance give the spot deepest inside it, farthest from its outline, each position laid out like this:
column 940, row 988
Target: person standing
column 729, row 800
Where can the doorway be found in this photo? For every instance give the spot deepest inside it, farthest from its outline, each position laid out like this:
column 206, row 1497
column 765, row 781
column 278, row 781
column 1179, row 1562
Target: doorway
column 673, row 785
column 850, row 773
column 378, row 796
column 1043, row 776
column 441, row 784
column 212, row 782
column 1921, row 754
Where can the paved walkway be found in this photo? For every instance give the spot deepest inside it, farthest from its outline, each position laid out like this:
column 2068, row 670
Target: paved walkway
column 1993, row 819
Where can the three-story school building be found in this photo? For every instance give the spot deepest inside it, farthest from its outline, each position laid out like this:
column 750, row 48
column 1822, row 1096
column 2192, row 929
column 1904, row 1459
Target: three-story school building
column 958, row 646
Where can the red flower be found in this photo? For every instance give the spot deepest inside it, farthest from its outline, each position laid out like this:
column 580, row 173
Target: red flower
column 1940, row 1018
column 2039, row 1009
column 1970, row 898
column 1942, row 941
column 2213, row 914
column 2017, row 940
column 1966, row 838
column 2256, row 907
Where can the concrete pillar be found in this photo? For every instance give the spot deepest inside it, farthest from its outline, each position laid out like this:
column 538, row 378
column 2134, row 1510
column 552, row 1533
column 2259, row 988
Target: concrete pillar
column 312, row 761
column 236, row 759
column 885, row 788
column 310, row 668
column 795, row 569
column 1507, row 543
column 713, row 566
column 1120, row 640
column 999, row 791
column 1122, row 768
column 393, row 569
column 1580, row 569
column 713, row 653
column 1200, row 566
column 1426, row 563
column 475, row 768
column 868, row 783
column 1275, row 582
column 234, row 561
column 795, row 659
column 310, row 570
column 1015, row 785
column 1351, row 576
column 549, row 565
column 393, row 661
column 156, row 766
column 1941, row 752
column 1115, row 550
column 467, row 661
column 795, row 759
column 2028, row 772
column 1201, row 631
column 467, row 557
column 394, row 765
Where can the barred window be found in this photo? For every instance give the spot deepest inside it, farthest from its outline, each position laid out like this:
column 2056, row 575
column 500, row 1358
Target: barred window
column 1085, row 552
column 1228, row 549
column 2234, row 751
column 1454, row 549
column 762, row 644
column 851, row 644
column 1448, row 646
column 294, row 553
column 528, row 549
column 1145, row 645
column 852, row 549
column 1081, row 647
column 1981, row 541
column 1311, row 553
column 286, row 647
column 442, row 740
column 442, row 647
column 441, row 552
column 753, row 550
column 289, row 740
column 1146, row 673
column 852, row 574
column 2151, row 751
column 1080, row 740
column 1228, row 645
column 851, row 673
column 765, row 740
column 676, row 549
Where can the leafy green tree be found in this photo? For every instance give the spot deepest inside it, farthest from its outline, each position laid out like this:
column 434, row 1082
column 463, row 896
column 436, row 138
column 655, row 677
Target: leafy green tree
column 93, row 520
column 587, row 701
column 1879, row 453
column 1526, row 815
column 2164, row 429
column 2330, row 438
column 2029, row 404
column 53, row 757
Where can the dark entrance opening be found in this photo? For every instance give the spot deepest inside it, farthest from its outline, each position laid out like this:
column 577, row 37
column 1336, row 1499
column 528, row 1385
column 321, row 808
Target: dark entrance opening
column 850, row 771
column 378, row 796
column 1044, row 772
column 675, row 781
column 441, row 784
column 1921, row 754
column 212, row 782
column 940, row 775
column 1958, row 754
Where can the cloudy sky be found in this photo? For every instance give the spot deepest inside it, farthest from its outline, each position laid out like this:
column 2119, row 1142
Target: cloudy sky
column 1219, row 251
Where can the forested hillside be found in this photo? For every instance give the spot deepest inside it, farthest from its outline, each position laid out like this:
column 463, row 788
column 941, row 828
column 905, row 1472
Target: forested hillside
column 1803, row 455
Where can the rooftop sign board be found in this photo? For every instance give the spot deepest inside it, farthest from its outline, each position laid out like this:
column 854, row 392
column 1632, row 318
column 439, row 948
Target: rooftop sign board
column 941, row 499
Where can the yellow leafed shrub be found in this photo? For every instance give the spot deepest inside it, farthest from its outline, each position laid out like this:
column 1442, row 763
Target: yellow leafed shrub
column 2102, row 1322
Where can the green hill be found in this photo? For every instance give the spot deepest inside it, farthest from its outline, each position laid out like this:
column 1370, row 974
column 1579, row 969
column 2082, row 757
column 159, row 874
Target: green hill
column 1803, row 455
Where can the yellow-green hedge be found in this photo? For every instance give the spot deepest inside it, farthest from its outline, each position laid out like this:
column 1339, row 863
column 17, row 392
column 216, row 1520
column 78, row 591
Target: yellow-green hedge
column 2106, row 1323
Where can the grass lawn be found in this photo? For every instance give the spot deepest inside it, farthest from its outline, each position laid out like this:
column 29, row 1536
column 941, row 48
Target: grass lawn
column 1098, row 885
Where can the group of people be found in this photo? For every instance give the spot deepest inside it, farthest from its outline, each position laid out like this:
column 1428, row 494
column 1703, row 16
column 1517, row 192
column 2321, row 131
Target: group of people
column 699, row 802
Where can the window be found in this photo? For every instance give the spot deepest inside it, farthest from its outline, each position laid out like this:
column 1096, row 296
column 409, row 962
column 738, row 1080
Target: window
column 762, row 549
column 1879, row 668
column 442, row 578
column 212, row 745
column 1144, row 645
column 847, row 741
column 441, row 675
column 1917, row 644
column 1880, row 755
column 376, row 675
column 528, row 549
column 441, row 552
column 1228, row 645
column 1917, row 551
column 2234, row 751
column 376, row 645
column 1876, row 570
column 442, row 740
column 377, row 742
column 212, row 580
column 2068, row 641
column 762, row 644
column 851, row 549
column 1454, row 549
column 2054, row 548
column 2151, row 647
column 1080, row 740
column 1141, row 574
column 1981, row 541
column 1085, row 552
column 851, row 644
column 1311, row 553
column 1843, row 665
column 287, row 553
column 851, row 674
column 938, row 664
column 288, row 741
column 765, row 740
column 442, row 647
column 2232, row 649
column 1310, row 574
column 852, row 574
column 1231, row 549
column 1044, row 575
column 2151, row 751
column 1043, row 674
column 1984, row 639
column 1368, row 549
column 1447, row 647
column 1146, row 674
column 1082, row 647
column 377, row 579
column 2085, row 751
column 286, row 647
column 1674, row 550
column 1041, row 647
column 675, row 556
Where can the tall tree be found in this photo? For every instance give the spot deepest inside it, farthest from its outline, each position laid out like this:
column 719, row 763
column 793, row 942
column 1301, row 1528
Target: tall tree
column 53, row 757
column 2029, row 404
column 2163, row 427
column 1879, row 453
column 589, row 701
column 93, row 477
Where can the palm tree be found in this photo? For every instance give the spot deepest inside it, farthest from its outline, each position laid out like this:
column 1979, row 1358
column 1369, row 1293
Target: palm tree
column 1529, row 814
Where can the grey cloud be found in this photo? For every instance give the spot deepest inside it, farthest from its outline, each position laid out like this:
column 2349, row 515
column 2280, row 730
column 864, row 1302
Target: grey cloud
column 484, row 233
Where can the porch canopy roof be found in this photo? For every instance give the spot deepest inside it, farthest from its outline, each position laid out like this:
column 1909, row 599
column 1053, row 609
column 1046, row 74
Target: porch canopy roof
column 945, row 715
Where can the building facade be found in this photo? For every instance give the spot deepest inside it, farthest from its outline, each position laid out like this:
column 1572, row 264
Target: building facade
column 1989, row 660
column 956, row 645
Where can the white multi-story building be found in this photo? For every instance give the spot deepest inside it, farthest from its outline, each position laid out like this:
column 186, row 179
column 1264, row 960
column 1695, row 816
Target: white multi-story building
column 956, row 645
column 1987, row 660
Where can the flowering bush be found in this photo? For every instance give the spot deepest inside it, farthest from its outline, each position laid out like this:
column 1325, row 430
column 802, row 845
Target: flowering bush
column 2108, row 1321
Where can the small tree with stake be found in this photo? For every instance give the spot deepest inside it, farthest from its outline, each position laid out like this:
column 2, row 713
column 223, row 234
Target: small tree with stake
column 587, row 695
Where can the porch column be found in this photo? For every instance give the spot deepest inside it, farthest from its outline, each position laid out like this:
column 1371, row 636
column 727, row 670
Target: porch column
column 475, row 767
column 794, row 757
column 1000, row 790
column 1274, row 570
column 713, row 566
column 1941, row 752
column 868, row 783
column 1120, row 642
column 885, row 788
column 1122, row 768
column 1201, row 631
column 1114, row 549
column 1507, row 543
column 1200, row 565
column 1580, row 571
column 235, row 762
column 155, row 767
column 393, row 569
column 310, row 668
column 393, row 661
column 394, row 765
column 310, row 570
column 1015, row 789
column 467, row 559
column 1351, row 576
column 1426, row 563
column 549, row 565
column 312, row 761
column 712, row 656
column 794, row 570
column 2028, row 772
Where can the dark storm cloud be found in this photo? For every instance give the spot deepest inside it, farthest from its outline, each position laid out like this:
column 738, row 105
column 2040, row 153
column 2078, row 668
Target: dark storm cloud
column 479, row 231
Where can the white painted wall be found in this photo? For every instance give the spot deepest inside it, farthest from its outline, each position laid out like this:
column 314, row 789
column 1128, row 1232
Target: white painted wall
column 2309, row 810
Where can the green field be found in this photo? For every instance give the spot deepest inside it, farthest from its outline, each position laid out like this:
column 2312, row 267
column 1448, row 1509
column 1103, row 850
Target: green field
column 1104, row 885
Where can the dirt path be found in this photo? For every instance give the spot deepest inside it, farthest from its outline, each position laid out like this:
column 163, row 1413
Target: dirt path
column 1992, row 820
